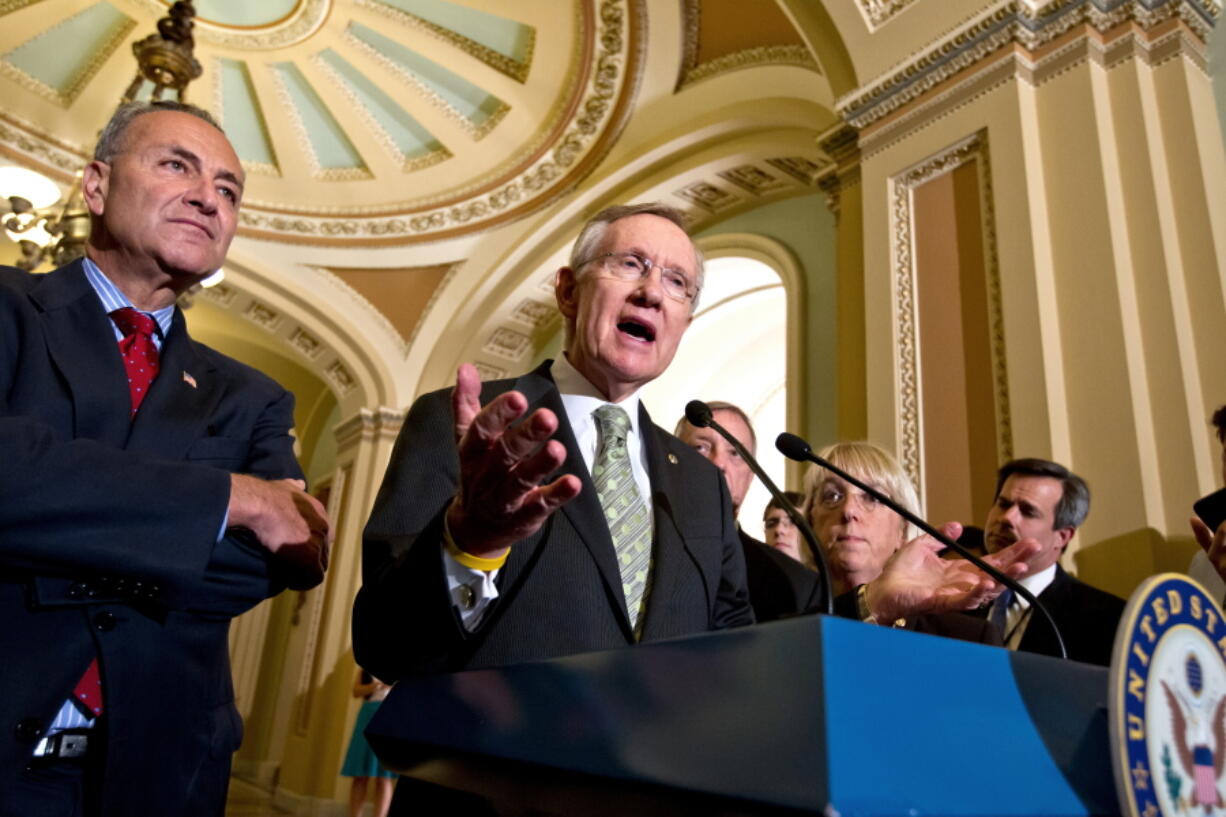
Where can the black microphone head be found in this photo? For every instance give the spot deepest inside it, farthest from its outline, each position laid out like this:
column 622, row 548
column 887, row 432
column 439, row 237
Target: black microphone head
column 793, row 447
column 698, row 413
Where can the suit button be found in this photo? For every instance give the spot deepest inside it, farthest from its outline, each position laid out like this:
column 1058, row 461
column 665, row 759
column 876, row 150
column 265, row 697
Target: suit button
column 105, row 621
column 28, row 729
column 76, row 590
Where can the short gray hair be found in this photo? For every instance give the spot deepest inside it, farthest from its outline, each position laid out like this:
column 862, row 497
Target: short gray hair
column 593, row 232
column 110, row 141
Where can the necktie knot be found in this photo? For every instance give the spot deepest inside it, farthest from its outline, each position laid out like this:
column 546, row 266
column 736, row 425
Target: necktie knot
column 999, row 615
column 614, row 423
column 138, row 350
column 133, row 322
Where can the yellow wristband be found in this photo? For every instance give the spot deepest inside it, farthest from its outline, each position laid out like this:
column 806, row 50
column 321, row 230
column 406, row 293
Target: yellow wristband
column 467, row 559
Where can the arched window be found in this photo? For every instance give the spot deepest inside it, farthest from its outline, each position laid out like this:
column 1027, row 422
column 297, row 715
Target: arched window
column 735, row 351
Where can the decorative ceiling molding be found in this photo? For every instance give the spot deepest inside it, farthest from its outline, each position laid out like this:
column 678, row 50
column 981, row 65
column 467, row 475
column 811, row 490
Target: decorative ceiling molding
column 796, row 55
column 307, row 17
column 302, row 140
column 1024, row 23
column 7, row 6
column 515, row 69
column 477, row 130
column 998, row 70
column 692, row 71
column 282, row 75
column 879, row 12
column 594, row 118
column 113, row 27
column 408, row 163
column 22, row 142
column 318, row 356
column 747, row 183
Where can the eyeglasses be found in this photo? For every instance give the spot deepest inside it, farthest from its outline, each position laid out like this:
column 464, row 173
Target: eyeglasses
column 832, row 496
column 630, row 266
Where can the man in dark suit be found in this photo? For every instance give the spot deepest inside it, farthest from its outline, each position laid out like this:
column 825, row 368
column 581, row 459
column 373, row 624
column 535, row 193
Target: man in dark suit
column 779, row 586
column 1044, row 501
column 150, row 493
column 468, row 544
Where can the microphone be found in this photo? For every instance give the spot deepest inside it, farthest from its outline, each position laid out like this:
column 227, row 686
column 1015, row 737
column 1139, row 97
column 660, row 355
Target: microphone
column 699, row 415
column 795, row 448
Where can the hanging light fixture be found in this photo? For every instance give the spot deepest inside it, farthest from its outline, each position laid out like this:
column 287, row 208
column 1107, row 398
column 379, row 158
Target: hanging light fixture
column 45, row 232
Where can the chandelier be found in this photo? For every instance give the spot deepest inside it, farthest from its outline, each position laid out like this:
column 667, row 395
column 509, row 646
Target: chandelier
column 42, row 227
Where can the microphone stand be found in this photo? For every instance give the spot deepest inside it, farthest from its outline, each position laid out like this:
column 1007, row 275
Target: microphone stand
column 699, row 415
column 795, row 448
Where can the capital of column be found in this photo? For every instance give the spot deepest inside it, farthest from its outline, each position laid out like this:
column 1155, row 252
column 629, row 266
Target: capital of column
column 368, row 424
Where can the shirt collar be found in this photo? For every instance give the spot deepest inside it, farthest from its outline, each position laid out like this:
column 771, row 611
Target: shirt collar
column 1036, row 583
column 581, row 398
column 113, row 298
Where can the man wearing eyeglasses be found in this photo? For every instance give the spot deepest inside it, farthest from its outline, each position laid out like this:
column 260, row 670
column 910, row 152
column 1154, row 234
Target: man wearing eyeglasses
column 547, row 515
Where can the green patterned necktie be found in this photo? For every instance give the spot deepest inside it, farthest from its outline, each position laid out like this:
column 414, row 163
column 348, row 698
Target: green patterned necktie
column 624, row 510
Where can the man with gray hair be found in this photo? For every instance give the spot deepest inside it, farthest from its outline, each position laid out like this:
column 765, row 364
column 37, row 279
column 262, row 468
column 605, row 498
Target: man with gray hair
column 1044, row 501
column 149, row 492
column 546, row 515
column 779, row 586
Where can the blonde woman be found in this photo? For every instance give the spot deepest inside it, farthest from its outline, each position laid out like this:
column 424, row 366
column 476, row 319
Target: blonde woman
column 883, row 571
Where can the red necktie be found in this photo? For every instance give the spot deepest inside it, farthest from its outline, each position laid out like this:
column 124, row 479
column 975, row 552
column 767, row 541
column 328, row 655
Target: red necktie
column 140, row 361
column 140, row 355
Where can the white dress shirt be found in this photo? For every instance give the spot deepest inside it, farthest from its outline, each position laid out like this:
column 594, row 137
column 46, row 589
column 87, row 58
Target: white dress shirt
column 472, row 590
column 1018, row 617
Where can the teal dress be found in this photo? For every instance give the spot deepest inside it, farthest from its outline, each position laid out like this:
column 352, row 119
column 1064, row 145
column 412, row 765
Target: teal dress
column 360, row 760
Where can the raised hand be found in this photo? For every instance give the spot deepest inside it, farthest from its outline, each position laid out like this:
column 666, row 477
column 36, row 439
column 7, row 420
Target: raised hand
column 500, row 499
column 1214, row 544
column 917, row 580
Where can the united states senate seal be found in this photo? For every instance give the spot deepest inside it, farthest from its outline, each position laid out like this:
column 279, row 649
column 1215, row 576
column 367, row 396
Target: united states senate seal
column 1168, row 701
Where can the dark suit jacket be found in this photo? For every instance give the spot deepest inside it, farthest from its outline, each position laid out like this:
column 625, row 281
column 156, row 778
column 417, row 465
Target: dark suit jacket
column 108, row 541
column 560, row 589
column 1087, row 618
column 779, row 586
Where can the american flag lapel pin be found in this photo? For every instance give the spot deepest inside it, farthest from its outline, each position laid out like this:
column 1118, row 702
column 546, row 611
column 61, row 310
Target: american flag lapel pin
column 189, row 380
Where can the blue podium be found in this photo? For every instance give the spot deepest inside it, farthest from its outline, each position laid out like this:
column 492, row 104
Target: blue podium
column 813, row 715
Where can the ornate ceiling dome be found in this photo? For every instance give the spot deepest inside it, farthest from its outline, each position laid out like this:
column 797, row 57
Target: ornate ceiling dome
column 360, row 122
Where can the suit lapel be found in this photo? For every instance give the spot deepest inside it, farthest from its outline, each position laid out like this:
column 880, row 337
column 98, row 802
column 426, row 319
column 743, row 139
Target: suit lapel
column 81, row 342
column 1039, row 636
column 583, row 513
column 670, row 551
column 175, row 412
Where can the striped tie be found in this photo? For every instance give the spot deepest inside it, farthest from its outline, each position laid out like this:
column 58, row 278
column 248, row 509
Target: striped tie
column 624, row 511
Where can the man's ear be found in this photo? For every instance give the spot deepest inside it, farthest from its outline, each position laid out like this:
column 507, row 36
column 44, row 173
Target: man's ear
column 566, row 291
column 1065, row 534
column 95, row 181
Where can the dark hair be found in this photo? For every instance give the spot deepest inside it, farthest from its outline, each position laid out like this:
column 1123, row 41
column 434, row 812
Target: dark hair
column 1219, row 422
column 720, row 405
column 110, row 141
column 1074, row 503
column 794, row 497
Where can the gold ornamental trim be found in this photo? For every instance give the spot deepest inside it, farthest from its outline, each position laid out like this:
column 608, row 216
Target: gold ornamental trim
column 611, row 74
column 1030, row 25
column 908, row 384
